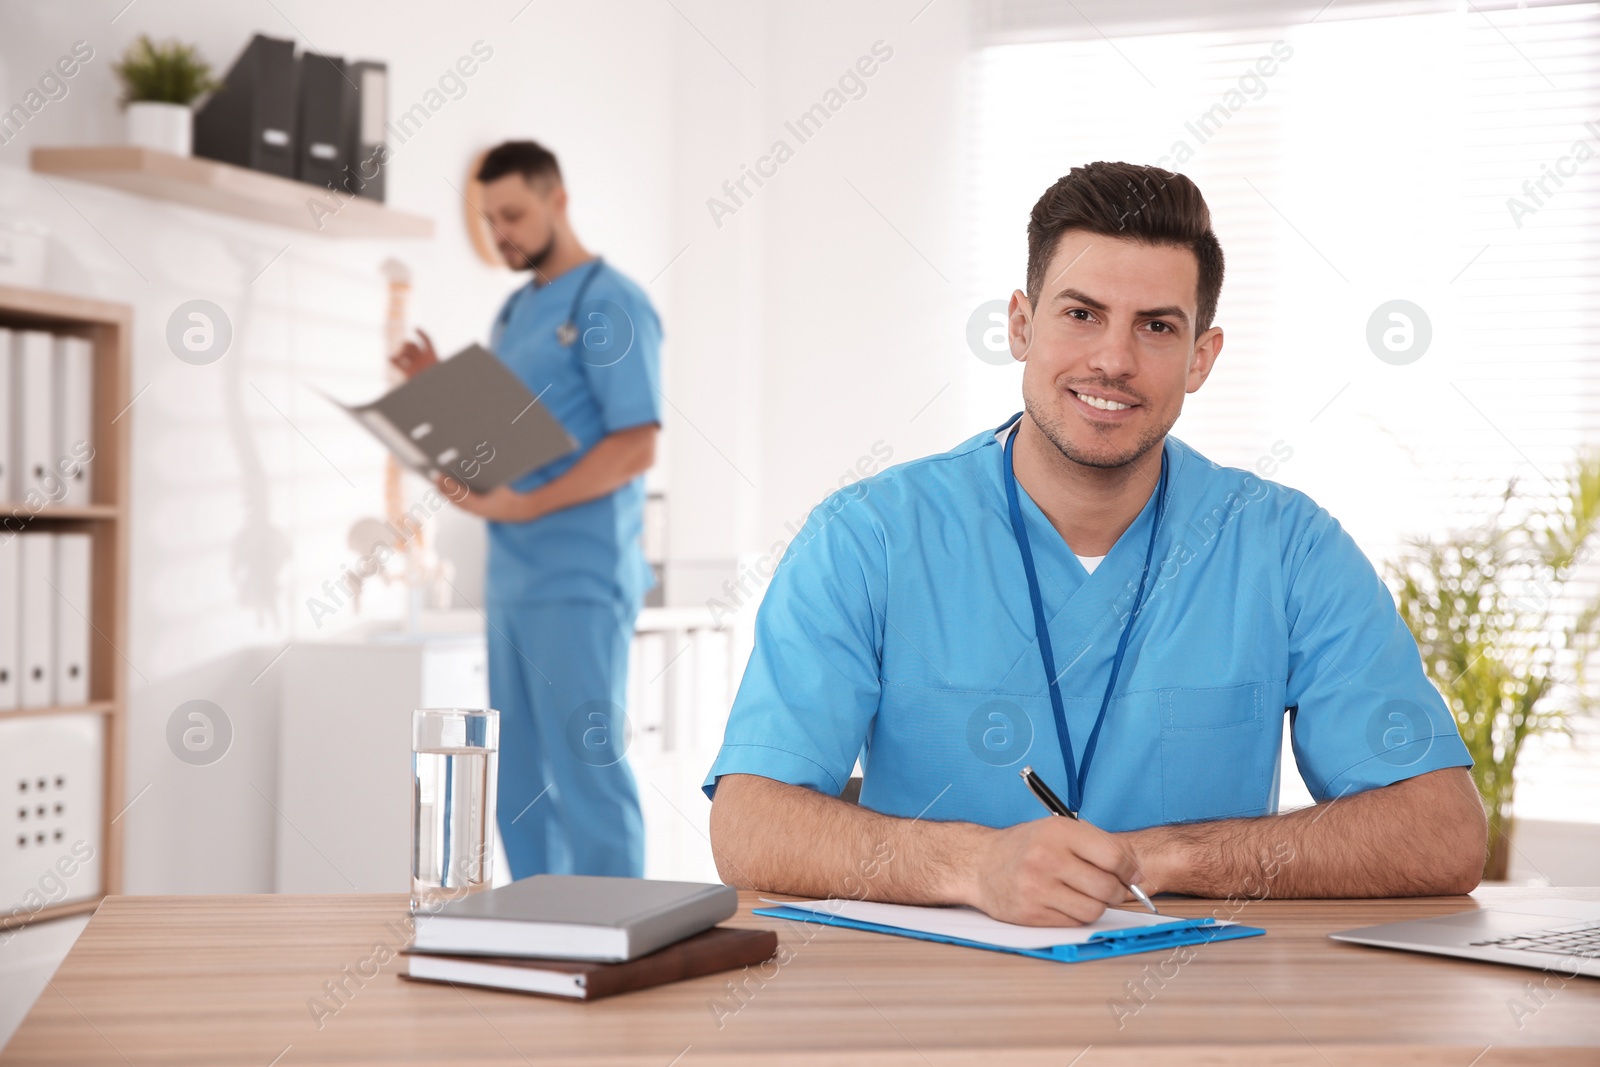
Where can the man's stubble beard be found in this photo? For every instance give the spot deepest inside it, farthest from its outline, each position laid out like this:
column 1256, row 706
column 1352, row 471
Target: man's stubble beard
column 1051, row 423
column 534, row 261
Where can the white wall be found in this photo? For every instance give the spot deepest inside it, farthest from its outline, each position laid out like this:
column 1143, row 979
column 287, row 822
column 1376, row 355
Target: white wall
column 864, row 264
column 800, row 332
column 817, row 326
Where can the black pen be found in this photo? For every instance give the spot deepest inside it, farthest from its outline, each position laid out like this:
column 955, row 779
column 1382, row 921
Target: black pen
column 1048, row 798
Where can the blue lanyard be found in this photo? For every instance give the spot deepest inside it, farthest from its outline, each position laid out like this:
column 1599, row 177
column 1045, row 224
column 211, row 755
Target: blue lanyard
column 1077, row 774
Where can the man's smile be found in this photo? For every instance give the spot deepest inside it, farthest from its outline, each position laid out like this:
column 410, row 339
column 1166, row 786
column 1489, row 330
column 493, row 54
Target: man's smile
column 1103, row 404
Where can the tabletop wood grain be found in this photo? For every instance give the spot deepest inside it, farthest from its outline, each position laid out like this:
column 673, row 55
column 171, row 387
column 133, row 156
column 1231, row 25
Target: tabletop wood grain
column 297, row 980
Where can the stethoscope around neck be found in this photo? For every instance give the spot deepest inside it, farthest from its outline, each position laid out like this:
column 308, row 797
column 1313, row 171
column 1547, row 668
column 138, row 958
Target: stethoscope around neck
column 567, row 333
column 1077, row 770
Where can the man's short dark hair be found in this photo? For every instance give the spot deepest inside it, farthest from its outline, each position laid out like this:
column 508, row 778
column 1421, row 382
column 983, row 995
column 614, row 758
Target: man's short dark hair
column 1133, row 202
column 527, row 158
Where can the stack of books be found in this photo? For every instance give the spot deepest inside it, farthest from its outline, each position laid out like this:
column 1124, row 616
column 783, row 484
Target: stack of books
column 583, row 936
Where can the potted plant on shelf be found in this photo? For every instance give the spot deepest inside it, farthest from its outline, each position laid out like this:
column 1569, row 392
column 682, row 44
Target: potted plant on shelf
column 1507, row 617
column 160, row 82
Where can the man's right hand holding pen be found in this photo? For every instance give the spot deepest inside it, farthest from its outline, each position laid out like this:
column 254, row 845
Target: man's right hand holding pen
column 1056, row 806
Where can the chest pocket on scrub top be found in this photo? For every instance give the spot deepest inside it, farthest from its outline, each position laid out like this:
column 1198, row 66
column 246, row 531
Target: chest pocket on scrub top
column 1219, row 751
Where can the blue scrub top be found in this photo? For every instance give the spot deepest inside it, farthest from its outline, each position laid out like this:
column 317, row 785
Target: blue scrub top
column 609, row 381
column 898, row 628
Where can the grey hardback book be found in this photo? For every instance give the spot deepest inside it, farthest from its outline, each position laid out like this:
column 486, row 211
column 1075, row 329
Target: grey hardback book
column 574, row 917
column 469, row 417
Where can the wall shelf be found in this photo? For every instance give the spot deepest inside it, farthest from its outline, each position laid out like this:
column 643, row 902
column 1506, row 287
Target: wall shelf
column 20, row 511
column 229, row 190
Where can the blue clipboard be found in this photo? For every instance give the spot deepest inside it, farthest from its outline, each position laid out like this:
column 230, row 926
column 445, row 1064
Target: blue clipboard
column 1106, row 945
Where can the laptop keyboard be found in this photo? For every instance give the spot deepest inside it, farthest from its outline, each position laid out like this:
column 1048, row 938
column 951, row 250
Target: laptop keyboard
column 1582, row 941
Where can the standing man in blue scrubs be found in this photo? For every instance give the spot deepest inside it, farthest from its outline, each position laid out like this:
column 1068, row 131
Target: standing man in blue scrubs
column 1079, row 591
column 566, row 571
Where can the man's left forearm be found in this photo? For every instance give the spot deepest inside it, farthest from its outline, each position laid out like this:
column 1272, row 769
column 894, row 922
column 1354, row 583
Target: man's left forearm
column 1423, row 836
column 613, row 462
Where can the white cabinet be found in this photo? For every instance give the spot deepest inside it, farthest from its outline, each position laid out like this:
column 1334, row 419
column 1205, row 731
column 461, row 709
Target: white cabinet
column 50, row 770
column 344, row 753
column 344, row 746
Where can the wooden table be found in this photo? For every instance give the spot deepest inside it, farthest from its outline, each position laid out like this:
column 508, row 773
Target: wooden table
column 237, row 980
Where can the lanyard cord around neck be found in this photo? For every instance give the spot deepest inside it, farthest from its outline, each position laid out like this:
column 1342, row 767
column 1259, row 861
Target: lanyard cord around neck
column 1077, row 774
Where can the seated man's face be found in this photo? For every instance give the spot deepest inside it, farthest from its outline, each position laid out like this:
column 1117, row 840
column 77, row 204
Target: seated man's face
column 1110, row 350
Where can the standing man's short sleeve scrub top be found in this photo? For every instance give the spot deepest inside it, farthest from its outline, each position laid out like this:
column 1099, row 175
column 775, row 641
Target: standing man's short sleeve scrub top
column 609, row 380
column 898, row 628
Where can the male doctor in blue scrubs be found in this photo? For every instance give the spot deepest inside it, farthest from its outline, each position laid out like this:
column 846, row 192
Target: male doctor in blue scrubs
column 566, row 572
column 1080, row 592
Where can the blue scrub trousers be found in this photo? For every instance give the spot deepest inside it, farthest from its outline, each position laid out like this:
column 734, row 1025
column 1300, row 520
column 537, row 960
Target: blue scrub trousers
column 567, row 802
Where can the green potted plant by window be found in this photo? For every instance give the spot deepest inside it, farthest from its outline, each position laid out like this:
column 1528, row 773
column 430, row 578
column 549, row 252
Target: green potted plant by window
column 1507, row 618
column 160, row 82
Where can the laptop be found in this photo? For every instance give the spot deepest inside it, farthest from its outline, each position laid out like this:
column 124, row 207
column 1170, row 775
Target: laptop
column 1549, row 935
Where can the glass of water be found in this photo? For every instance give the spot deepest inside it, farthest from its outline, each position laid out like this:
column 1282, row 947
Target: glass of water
column 455, row 761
